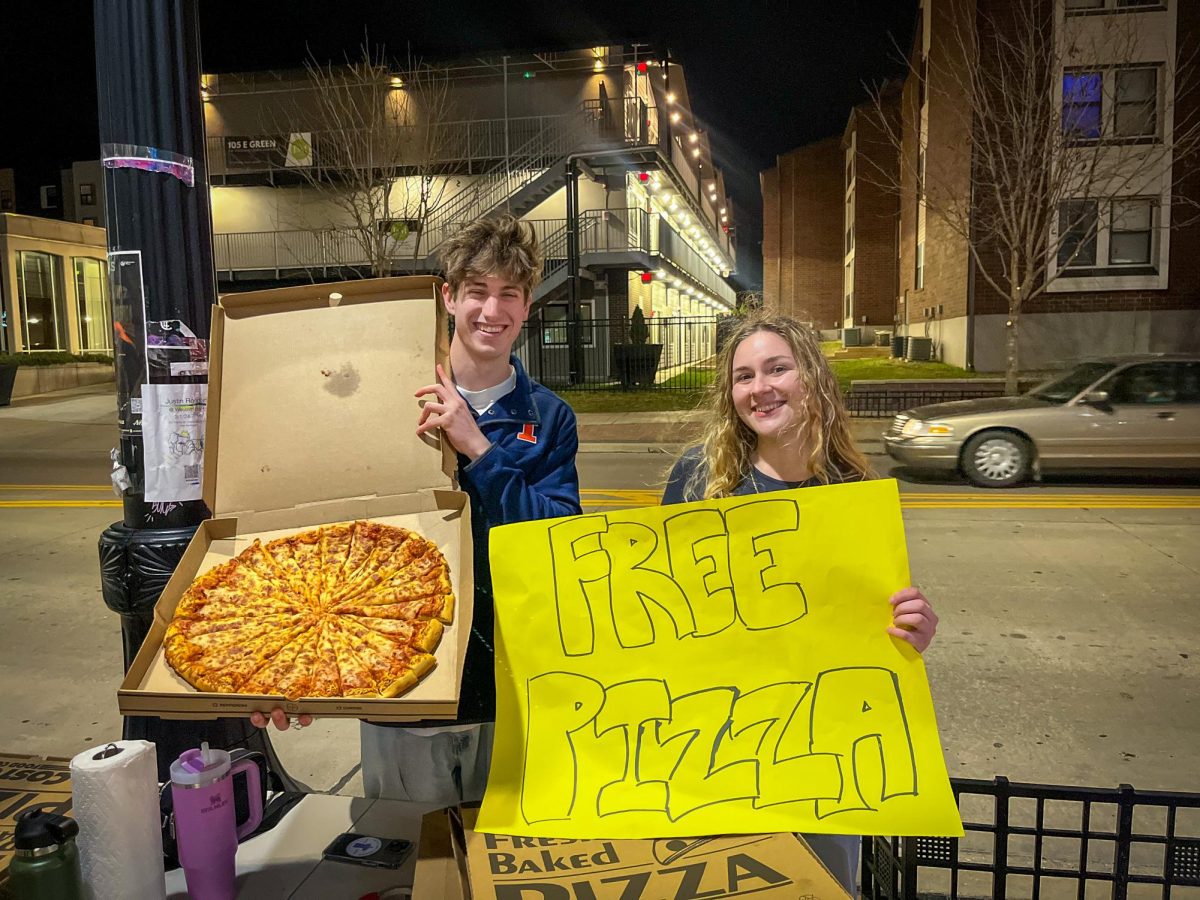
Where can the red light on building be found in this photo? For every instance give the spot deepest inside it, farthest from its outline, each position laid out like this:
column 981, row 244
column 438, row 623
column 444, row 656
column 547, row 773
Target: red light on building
column 642, row 67
column 647, row 277
column 643, row 177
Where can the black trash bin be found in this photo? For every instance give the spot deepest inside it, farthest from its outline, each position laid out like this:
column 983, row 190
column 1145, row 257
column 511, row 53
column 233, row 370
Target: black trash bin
column 898, row 341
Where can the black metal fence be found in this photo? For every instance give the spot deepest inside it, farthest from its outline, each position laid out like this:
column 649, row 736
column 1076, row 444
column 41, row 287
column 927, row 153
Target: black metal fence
column 678, row 355
column 1037, row 840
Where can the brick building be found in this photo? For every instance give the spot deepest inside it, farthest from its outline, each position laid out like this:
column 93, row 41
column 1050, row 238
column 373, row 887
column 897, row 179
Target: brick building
column 1130, row 276
column 803, row 253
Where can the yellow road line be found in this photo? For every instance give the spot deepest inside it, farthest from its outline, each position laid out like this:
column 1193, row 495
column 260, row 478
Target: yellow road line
column 55, row 487
column 54, row 504
column 975, row 500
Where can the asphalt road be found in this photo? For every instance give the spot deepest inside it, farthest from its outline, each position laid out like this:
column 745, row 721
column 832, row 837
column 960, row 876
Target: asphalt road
column 1069, row 649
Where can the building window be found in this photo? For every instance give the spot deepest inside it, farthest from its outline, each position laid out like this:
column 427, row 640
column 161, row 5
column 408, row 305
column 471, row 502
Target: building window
column 1131, row 233
column 1135, row 112
column 43, row 304
column 848, row 302
column 1081, row 107
column 1105, row 238
column 1083, row 7
column 1078, row 224
column 554, row 325
column 87, row 195
column 919, row 281
column 91, row 293
column 1121, row 104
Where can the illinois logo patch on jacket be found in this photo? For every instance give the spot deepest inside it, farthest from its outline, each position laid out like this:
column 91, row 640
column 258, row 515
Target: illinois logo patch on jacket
column 527, row 434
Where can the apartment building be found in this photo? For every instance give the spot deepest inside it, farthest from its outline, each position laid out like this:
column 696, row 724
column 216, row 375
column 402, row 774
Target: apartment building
column 597, row 148
column 1120, row 272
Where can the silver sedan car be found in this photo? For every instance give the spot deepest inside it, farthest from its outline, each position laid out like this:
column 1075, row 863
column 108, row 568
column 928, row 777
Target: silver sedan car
column 1129, row 413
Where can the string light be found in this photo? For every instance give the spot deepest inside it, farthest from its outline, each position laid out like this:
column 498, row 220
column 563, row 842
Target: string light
column 675, row 116
column 693, row 137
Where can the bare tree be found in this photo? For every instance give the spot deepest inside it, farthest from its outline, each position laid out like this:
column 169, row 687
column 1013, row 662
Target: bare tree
column 385, row 149
column 1049, row 134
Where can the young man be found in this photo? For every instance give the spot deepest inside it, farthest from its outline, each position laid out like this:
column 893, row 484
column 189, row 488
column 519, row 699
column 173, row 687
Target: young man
column 516, row 444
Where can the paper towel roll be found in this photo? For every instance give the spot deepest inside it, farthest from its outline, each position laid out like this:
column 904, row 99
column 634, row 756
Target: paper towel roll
column 115, row 801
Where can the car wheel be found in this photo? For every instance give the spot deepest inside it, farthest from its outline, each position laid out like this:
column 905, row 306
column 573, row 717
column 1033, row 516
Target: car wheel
column 997, row 459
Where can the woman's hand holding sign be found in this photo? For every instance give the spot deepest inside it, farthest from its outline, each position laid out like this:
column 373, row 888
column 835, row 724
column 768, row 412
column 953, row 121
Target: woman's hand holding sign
column 913, row 618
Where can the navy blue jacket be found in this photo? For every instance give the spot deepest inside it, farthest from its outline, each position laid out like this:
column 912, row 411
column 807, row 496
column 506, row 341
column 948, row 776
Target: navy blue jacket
column 527, row 473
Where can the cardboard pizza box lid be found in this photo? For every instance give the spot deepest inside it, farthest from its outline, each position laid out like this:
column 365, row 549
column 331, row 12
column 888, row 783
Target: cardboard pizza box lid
column 310, row 397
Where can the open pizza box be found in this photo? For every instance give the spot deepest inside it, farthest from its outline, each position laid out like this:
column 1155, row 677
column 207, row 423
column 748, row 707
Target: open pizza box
column 311, row 421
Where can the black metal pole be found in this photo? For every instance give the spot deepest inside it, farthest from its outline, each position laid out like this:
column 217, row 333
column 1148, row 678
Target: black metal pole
column 574, row 337
column 161, row 276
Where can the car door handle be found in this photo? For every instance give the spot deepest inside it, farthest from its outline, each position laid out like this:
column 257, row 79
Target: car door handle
column 1165, row 414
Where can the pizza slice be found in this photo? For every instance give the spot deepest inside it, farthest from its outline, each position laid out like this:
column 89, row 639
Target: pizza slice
column 394, row 549
column 244, row 626
column 259, row 559
column 426, row 580
column 395, row 667
column 299, row 555
column 422, row 634
column 353, row 674
column 223, row 666
column 335, row 551
column 231, row 587
column 326, row 682
column 288, row 672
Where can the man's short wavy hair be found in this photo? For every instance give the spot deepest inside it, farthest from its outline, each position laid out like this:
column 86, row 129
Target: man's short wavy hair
column 503, row 246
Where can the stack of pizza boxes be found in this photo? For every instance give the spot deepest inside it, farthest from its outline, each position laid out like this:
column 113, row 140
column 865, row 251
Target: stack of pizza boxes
column 311, row 421
column 456, row 862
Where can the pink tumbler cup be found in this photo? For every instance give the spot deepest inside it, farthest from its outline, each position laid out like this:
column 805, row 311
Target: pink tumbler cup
column 206, row 829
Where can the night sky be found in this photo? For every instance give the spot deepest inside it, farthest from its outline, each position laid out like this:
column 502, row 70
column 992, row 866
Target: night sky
column 763, row 78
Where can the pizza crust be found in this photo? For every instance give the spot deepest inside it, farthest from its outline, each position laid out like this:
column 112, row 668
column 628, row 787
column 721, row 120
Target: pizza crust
column 315, row 614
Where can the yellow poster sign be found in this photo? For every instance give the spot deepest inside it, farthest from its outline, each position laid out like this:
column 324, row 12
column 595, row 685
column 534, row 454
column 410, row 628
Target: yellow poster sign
column 712, row 668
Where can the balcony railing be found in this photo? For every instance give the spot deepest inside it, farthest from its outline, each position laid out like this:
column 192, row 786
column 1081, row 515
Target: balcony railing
column 620, row 230
column 475, row 143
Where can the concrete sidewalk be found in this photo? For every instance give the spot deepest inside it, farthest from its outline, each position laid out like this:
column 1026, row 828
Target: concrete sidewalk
column 666, row 431
column 669, row 430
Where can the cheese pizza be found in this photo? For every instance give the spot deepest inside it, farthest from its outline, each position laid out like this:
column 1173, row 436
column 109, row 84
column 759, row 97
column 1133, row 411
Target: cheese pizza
column 348, row 610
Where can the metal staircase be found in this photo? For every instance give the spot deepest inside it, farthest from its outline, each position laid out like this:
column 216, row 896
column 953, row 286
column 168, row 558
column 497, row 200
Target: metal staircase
column 532, row 173
column 555, row 270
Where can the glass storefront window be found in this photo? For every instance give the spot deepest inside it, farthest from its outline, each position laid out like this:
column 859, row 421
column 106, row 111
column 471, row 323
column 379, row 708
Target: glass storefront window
column 43, row 301
column 95, row 315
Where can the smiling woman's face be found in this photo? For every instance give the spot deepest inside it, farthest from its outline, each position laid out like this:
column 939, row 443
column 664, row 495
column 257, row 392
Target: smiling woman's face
column 767, row 392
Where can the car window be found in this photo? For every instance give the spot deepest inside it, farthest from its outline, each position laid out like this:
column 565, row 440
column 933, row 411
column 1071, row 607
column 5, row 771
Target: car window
column 1067, row 387
column 1188, row 382
column 1146, row 383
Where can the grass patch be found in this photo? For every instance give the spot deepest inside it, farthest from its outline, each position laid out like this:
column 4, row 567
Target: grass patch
column 830, row 347
column 613, row 401
column 686, row 389
column 848, row 370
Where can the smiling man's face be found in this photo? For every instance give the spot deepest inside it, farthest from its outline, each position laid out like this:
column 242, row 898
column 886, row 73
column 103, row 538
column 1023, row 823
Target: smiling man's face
column 488, row 312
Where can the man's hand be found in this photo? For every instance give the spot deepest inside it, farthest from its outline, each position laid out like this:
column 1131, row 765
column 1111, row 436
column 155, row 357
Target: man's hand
column 279, row 719
column 913, row 619
column 450, row 413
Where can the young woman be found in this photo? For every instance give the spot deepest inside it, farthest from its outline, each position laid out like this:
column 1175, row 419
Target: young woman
column 777, row 422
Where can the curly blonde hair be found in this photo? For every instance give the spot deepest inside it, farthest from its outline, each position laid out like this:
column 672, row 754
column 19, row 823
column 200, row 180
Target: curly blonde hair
column 727, row 445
